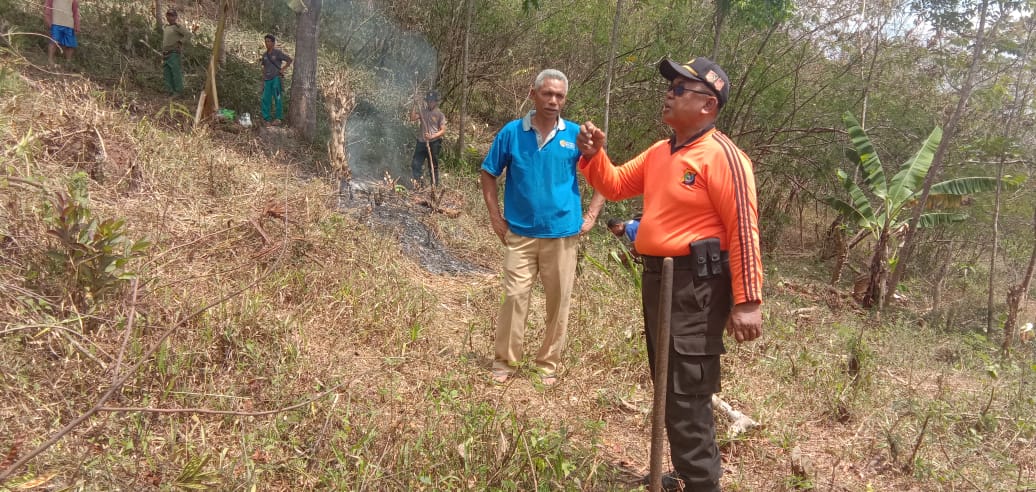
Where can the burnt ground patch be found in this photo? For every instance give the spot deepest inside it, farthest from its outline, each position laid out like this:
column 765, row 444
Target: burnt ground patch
column 401, row 214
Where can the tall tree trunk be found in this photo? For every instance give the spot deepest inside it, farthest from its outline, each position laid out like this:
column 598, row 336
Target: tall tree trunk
column 722, row 8
column 302, row 105
column 208, row 102
column 949, row 132
column 1017, row 295
column 340, row 102
column 996, row 245
column 940, row 279
column 158, row 16
column 611, row 64
column 862, row 48
column 464, row 89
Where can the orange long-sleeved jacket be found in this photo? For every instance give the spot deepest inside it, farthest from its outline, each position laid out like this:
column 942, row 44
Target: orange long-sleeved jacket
column 703, row 189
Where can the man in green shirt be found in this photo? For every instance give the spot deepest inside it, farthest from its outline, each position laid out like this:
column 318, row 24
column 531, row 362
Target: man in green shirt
column 173, row 38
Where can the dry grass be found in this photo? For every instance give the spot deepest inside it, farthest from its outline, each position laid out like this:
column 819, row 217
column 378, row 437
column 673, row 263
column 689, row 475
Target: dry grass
column 317, row 299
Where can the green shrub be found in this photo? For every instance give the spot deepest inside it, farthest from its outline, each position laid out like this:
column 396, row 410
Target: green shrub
column 91, row 255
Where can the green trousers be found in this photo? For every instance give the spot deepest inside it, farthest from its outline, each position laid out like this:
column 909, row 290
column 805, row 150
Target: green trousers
column 173, row 73
column 272, row 97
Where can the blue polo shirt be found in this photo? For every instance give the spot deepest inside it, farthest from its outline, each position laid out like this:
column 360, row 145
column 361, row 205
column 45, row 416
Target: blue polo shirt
column 631, row 229
column 541, row 189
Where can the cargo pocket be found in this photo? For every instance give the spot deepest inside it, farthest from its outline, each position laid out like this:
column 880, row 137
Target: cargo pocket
column 688, row 317
column 713, row 289
column 694, row 374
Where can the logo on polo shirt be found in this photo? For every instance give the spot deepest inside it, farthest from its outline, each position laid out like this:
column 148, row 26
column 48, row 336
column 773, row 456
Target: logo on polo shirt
column 688, row 178
column 565, row 144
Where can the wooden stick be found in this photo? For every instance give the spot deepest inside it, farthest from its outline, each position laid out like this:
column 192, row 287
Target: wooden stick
column 201, row 105
column 431, row 159
column 159, row 53
column 741, row 422
column 665, row 304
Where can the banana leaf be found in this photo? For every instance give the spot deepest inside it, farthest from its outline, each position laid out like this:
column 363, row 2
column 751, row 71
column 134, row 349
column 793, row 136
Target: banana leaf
column 940, row 218
column 874, row 173
column 907, row 181
column 969, row 186
column 860, row 209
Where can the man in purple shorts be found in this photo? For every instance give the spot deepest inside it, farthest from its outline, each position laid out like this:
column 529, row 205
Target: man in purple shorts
column 62, row 18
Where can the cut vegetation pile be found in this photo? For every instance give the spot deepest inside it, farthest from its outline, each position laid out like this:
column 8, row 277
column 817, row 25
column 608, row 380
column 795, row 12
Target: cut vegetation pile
column 220, row 323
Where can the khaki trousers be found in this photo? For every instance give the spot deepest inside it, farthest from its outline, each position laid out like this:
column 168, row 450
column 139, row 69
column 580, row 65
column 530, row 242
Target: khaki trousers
column 554, row 260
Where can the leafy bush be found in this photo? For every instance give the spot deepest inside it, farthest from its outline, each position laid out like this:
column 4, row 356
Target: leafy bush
column 91, row 255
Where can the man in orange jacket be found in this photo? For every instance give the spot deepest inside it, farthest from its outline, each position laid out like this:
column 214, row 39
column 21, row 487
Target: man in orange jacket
column 700, row 209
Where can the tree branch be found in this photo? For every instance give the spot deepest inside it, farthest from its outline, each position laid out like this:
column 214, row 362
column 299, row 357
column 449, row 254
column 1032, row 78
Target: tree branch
column 207, row 411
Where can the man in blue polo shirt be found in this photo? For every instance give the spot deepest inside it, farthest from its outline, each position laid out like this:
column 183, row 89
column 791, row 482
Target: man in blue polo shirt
column 541, row 222
column 628, row 230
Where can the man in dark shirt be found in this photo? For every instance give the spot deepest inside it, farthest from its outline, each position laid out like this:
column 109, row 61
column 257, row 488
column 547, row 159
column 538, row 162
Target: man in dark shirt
column 273, row 72
column 429, row 141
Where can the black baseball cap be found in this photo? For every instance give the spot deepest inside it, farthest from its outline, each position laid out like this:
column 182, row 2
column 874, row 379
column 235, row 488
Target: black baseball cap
column 701, row 69
column 431, row 96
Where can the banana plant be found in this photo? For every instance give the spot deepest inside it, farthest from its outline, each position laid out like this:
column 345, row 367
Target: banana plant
column 881, row 210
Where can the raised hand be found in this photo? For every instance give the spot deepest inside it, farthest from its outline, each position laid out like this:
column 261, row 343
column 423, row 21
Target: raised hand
column 590, row 139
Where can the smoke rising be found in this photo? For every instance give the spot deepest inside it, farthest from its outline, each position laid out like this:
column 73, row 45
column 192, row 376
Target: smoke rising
column 397, row 66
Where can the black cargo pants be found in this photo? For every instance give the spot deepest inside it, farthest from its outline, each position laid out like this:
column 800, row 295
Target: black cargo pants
column 701, row 305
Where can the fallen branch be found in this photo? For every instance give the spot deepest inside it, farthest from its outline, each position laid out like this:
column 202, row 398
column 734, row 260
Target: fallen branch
column 129, row 329
column 207, row 411
column 21, row 181
column 449, row 212
column 64, row 331
column 741, row 422
column 159, row 53
column 259, row 228
column 315, row 449
column 631, row 407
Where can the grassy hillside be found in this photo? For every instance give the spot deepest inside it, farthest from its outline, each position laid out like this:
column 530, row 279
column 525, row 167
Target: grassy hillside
column 257, row 336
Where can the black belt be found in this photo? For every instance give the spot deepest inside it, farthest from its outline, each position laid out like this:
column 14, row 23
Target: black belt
column 686, row 262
